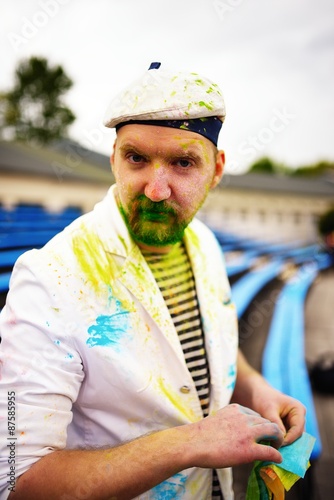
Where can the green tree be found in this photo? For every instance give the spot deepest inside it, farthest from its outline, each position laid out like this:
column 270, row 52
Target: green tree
column 34, row 109
column 326, row 222
column 263, row 166
column 326, row 231
column 317, row 169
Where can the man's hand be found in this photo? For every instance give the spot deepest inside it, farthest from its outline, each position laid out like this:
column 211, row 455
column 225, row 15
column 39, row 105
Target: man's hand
column 253, row 391
column 233, row 436
column 287, row 412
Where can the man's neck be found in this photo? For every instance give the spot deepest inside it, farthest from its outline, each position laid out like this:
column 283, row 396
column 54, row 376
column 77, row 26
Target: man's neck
column 153, row 249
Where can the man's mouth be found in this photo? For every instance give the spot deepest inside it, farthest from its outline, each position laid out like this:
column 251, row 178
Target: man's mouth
column 154, row 216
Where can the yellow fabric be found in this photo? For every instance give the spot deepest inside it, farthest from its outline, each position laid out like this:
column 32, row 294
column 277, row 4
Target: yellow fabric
column 273, row 483
column 287, row 478
column 277, row 480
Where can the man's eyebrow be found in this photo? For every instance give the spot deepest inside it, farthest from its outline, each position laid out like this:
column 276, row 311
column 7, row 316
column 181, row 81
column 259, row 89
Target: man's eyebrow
column 128, row 146
column 176, row 152
column 189, row 151
column 184, row 152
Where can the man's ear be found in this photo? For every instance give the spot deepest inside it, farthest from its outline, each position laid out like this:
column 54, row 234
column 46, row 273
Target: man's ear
column 220, row 163
column 112, row 157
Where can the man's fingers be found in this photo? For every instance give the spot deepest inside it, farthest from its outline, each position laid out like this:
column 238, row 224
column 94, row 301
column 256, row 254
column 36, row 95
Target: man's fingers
column 268, row 453
column 295, row 424
column 293, row 433
column 265, row 430
column 270, row 433
column 248, row 411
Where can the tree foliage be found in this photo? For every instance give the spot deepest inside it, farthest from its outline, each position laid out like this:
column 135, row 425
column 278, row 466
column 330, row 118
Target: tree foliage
column 326, row 222
column 266, row 165
column 314, row 170
column 263, row 166
column 34, row 109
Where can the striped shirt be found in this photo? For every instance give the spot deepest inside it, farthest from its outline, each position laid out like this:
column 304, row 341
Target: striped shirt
column 173, row 274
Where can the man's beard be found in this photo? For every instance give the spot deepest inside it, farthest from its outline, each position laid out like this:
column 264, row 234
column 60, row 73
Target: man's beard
column 154, row 223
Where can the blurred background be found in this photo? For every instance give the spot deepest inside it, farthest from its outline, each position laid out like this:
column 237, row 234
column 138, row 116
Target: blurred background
column 62, row 61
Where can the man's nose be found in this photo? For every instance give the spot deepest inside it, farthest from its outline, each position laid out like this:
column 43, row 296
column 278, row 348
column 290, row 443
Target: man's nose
column 157, row 187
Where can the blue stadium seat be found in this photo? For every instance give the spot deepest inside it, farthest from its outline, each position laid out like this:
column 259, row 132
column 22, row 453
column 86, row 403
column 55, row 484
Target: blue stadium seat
column 248, row 286
column 28, row 239
column 283, row 362
column 9, row 257
column 26, row 227
column 4, row 282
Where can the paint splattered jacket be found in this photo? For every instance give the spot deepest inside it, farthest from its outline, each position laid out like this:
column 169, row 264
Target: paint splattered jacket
column 91, row 351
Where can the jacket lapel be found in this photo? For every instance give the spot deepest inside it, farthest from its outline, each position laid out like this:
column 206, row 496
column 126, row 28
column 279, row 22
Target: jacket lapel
column 134, row 273
column 137, row 277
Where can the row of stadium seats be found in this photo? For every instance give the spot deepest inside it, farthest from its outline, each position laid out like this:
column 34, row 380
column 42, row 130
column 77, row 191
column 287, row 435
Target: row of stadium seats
column 283, row 360
column 25, row 227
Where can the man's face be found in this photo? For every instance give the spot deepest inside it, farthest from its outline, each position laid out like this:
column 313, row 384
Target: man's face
column 163, row 176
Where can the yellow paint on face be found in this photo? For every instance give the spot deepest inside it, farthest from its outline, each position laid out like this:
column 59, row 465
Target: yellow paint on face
column 190, row 142
column 176, row 400
column 205, row 149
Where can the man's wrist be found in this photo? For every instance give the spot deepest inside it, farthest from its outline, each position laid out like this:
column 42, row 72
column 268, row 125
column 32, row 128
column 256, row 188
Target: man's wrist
column 184, row 449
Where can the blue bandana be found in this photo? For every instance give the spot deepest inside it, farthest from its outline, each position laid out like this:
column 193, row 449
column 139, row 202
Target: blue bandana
column 207, row 127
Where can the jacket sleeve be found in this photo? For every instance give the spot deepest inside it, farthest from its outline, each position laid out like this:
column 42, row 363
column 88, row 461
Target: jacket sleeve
column 41, row 372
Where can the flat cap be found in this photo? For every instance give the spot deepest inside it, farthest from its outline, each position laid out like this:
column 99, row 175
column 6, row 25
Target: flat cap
column 164, row 95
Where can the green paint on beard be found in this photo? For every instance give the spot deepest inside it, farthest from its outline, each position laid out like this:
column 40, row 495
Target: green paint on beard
column 153, row 223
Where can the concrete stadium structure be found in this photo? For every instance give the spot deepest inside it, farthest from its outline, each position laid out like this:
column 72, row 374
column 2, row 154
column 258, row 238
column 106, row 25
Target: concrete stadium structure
column 267, row 207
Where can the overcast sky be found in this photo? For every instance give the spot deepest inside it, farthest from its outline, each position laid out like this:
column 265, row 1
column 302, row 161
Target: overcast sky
column 274, row 61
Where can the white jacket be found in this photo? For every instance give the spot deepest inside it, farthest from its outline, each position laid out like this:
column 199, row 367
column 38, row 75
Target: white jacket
column 91, row 352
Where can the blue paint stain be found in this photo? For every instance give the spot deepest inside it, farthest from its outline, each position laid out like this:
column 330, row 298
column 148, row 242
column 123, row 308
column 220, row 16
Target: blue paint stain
column 170, row 489
column 109, row 331
column 232, row 376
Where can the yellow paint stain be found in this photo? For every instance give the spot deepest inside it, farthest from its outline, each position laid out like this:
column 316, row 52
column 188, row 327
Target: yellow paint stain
column 122, row 240
column 194, row 486
column 93, row 260
column 133, row 421
column 193, row 239
column 176, row 400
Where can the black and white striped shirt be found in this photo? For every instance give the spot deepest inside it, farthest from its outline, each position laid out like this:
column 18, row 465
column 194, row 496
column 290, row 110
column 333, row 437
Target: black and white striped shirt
column 174, row 276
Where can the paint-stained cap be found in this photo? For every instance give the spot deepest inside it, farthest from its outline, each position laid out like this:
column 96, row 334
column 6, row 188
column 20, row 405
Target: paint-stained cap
column 163, row 95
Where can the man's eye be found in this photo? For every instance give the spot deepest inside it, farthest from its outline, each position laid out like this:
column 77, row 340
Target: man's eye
column 184, row 163
column 135, row 158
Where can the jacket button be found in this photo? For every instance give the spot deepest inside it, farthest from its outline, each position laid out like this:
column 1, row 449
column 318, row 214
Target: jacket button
column 185, row 389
